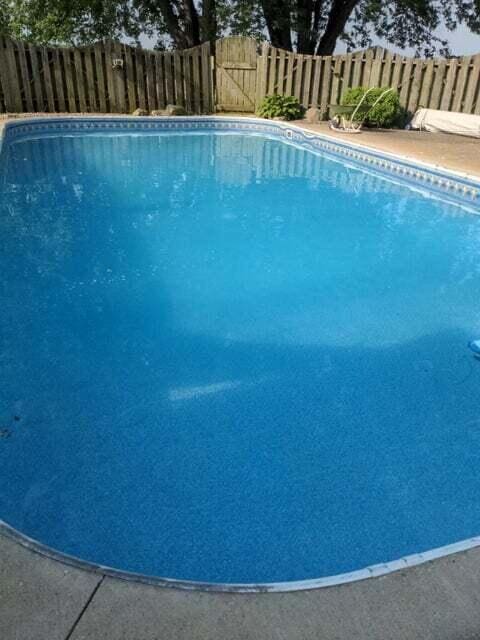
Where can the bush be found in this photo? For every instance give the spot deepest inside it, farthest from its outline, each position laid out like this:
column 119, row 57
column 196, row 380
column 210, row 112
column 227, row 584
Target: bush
column 276, row 106
column 387, row 113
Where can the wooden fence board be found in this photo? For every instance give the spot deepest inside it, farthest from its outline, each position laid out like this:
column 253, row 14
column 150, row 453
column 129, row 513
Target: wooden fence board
column 376, row 70
column 387, row 69
column 426, row 86
column 367, row 69
column 111, row 89
column 462, row 78
column 47, row 79
column 90, row 82
column 37, row 82
column 140, row 76
column 169, row 83
column 13, row 80
column 206, row 91
column 438, row 85
column 297, row 83
column 25, row 78
column 447, row 96
column 272, row 84
column 473, row 86
column 307, row 82
column 397, row 70
column 178, row 79
column 196, row 82
column 415, row 86
column 159, row 86
column 130, row 79
column 70, row 102
column 119, row 77
column 347, row 71
column 357, row 61
column 477, row 101
column 316, row 82
column 80, row 81
column 335, row 91
column 325, row 92
column 290, row 71
column 281, row 73
column 150, row 81
column 58, row 77
column 4, row 78
column 187, row 74
column 261, row 75
column 406, row 81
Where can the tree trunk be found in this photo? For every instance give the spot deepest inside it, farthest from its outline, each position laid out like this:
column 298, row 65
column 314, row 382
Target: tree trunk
column 338, row 17
column 277, row 17
column 191, row 23
column 308, row 13
column 182, row 26
column 209, row 21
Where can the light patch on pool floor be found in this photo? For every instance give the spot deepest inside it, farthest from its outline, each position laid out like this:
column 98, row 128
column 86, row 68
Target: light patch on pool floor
column 188, row 393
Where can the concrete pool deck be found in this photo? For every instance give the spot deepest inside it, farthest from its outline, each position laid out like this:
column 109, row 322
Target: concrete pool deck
column 41, row 598
column 457, row 153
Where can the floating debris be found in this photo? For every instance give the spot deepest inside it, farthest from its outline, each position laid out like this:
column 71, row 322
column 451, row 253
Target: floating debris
column 5, row 433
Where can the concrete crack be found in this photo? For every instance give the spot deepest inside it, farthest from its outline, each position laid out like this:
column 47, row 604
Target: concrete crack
column 84, row 608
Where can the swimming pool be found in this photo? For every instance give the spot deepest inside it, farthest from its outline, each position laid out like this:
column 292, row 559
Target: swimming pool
column 234, row 353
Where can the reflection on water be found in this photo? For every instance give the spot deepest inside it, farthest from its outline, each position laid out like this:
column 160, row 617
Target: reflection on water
column 234, row 349
column 262, row 201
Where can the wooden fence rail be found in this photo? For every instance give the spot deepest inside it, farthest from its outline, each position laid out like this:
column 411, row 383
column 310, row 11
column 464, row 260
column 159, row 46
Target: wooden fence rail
column 110, row 77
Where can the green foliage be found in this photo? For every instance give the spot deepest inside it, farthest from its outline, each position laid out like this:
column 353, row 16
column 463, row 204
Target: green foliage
column 276, row 106
column 312, row 27
column 4, row 18
column 69, row 21
column 387, row 113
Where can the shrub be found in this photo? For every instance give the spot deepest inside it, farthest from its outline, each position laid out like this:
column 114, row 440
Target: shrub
column 387, row 113
column 276, row 106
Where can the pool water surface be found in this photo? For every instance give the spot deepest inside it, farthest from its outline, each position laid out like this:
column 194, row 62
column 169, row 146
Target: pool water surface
column 227, row 359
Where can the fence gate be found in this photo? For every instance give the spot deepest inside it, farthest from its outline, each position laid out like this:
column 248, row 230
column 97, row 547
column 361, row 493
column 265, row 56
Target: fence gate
column 236, row 74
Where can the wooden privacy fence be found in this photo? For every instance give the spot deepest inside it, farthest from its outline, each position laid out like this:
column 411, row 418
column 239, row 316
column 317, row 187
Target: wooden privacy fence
column 451, row 84
column 110, row 77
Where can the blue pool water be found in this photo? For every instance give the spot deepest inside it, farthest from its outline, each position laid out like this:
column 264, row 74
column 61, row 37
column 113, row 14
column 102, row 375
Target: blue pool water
column 226, row 359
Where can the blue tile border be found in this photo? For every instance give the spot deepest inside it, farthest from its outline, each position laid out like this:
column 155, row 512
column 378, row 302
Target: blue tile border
column 449, row 185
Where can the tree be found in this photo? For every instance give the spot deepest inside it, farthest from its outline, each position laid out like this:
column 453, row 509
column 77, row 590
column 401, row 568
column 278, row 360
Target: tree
column 181, row 23
column 317, row 25
column 309, row 26
column 68, row 21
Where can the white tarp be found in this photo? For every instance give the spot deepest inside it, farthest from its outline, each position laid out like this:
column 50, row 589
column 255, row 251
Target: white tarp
column 462, row 124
